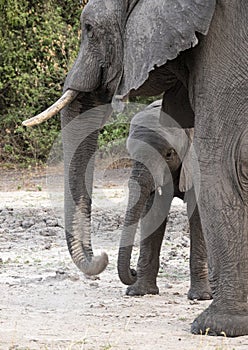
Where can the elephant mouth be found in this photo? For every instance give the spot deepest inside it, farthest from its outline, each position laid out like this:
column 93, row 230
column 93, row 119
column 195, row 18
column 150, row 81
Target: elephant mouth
column 62, row 102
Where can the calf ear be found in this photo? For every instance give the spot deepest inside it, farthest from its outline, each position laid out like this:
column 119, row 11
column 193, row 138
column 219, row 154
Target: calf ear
column 186, row 175
column 157, row 31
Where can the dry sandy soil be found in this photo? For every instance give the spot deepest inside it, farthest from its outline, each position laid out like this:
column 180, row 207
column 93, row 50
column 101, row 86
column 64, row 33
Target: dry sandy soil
column 46, row 303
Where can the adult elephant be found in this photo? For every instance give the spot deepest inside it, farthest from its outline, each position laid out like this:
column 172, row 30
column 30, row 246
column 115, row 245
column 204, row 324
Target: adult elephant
column 144, row 47
column 162, row 169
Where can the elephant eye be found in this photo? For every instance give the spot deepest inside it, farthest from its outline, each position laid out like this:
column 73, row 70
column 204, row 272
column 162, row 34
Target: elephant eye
column 89, row 29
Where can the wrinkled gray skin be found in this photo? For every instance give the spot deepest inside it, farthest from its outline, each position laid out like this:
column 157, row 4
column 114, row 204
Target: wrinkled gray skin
column 146, row 138
column 144, row 47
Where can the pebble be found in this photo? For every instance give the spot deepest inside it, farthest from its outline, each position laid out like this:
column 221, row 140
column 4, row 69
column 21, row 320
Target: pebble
column 94, row 284
column 27, row 223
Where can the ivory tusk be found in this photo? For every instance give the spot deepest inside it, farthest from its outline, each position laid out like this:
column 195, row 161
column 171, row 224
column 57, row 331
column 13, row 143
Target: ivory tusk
column 64, row 100
column 119, row 97
column 122, row 98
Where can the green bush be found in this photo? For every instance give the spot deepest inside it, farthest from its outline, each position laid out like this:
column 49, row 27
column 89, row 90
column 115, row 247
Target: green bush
column 38, row 42
column 112, row 138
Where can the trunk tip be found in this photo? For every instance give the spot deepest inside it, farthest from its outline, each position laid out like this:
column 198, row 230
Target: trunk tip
column 97, row 265
column 127, row 276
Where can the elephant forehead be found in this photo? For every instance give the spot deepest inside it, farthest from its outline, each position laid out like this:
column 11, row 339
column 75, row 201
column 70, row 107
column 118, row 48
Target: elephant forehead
column 142, row 140
column 96, row 6
column 102, row 10
column 148, row 137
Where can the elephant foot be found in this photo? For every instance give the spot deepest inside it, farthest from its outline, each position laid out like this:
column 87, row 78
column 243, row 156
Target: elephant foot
column 200, row 291
column 142, row 288
column 219, row 321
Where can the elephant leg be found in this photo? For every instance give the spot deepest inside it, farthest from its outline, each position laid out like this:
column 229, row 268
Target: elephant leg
column 150, row 246
column 224, row 217
column 199, row 282
column 221, row 140
column 148, row 264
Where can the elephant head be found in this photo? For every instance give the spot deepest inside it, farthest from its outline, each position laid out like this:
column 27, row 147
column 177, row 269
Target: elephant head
column 114, row 34
column 161, row 161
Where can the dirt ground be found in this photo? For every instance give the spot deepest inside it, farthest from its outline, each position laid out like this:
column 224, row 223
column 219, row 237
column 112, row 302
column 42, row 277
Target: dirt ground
column 46, row 303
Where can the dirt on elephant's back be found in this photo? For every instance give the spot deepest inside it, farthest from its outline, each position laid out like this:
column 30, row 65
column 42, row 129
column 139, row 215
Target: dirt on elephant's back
column 46, row 303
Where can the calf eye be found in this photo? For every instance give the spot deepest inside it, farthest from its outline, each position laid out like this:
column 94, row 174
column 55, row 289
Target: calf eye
column 170, row 154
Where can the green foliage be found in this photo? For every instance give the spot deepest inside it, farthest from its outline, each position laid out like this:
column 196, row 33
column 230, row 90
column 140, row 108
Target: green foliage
column 115, row 130
column 38, row 42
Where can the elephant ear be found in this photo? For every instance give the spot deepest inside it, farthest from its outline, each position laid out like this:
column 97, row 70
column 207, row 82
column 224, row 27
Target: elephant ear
column 157, row 31
column 186, row 174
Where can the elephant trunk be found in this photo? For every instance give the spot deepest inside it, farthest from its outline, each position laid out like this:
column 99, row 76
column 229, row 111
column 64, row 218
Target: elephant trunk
column 140, row 186
column 81, row 126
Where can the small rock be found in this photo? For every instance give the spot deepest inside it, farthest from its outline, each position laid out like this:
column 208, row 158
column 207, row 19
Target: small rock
column 48, row 246
column 74, row 278
column 51, row 222
column 27, row 223
column 92, row 278
column 173, row 253
column 176, row 293
column 61, row 275
column 94, row 284
column 48, row 231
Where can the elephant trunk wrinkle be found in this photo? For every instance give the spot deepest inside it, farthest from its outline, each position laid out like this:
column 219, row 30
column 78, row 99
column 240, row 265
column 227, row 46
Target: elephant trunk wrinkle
column 80, row 143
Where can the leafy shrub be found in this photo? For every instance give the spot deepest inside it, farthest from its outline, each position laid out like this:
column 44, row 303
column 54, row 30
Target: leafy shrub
column 38, row 42
column 112, row 138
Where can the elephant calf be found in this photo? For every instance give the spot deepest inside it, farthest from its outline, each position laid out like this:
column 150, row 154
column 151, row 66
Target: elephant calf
column 161, row 171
